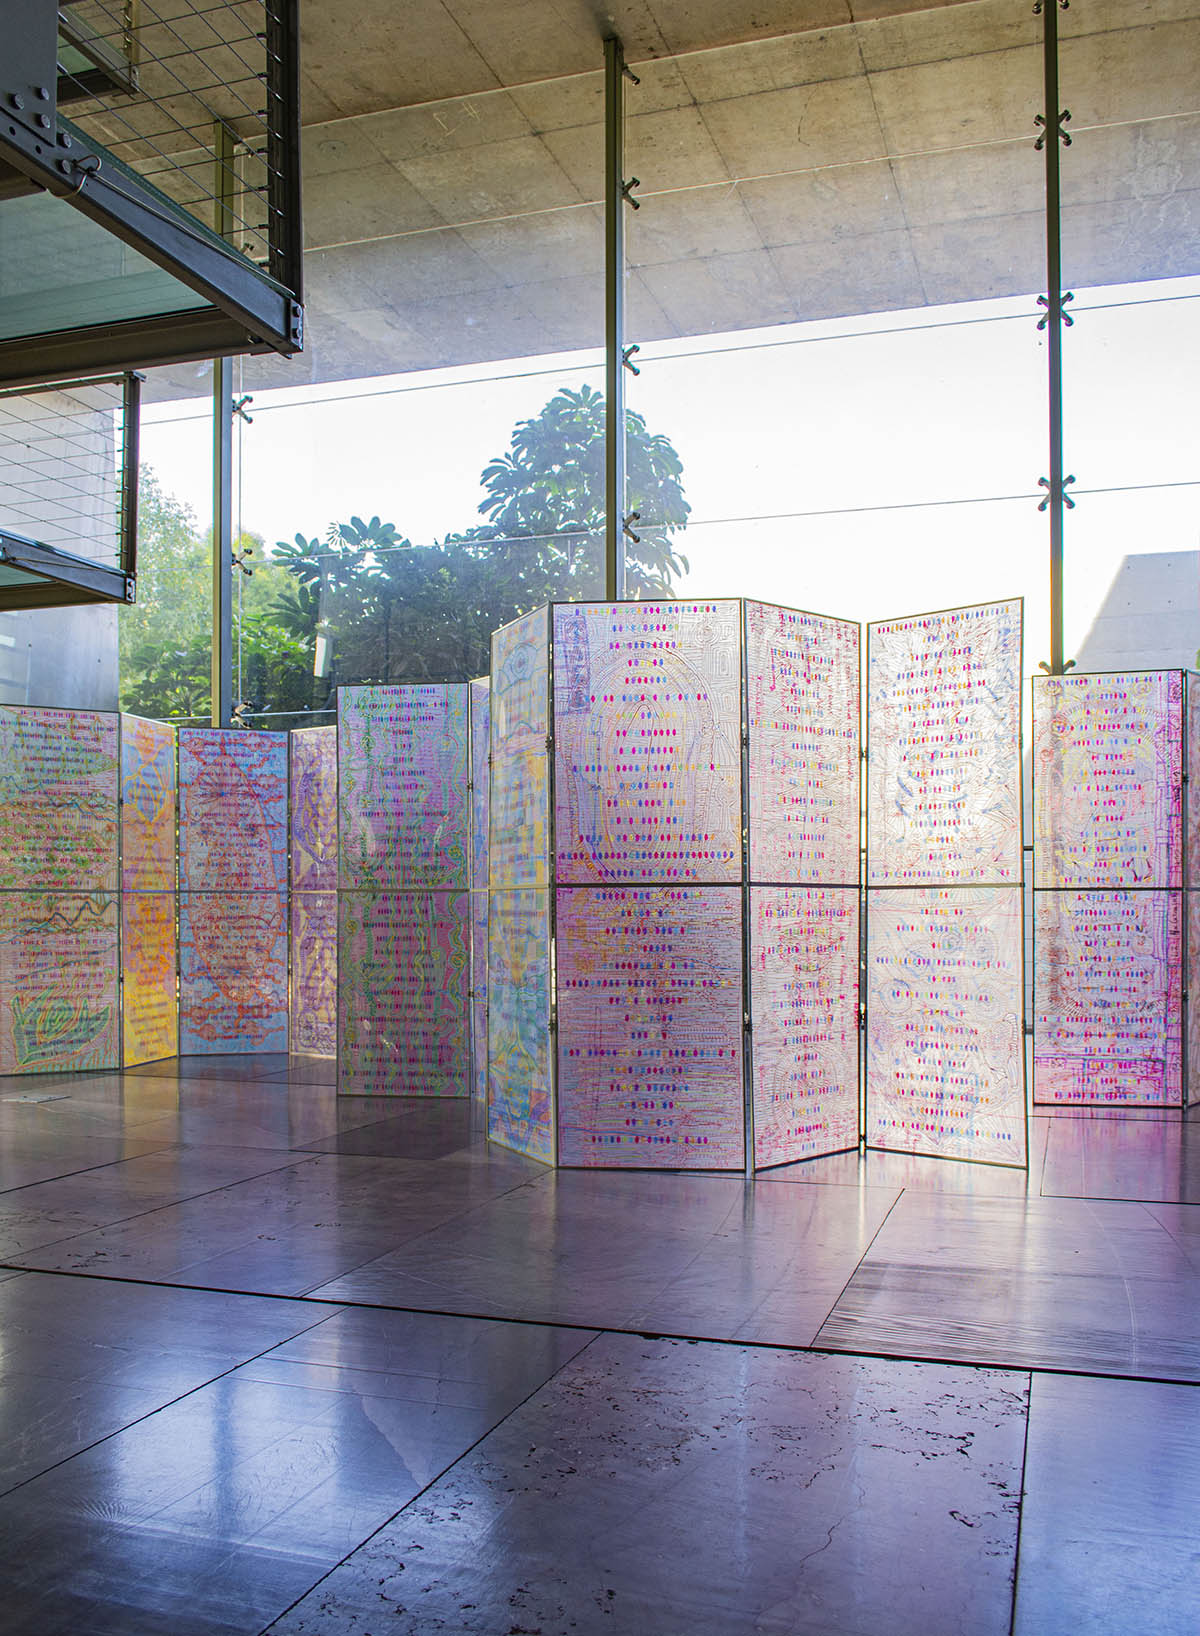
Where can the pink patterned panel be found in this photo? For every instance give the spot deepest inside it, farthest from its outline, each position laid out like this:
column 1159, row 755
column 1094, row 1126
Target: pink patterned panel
column 650, row 1027
column 804, row 1012
column 945, row 1035
column 803, row 718
column 1108, row 997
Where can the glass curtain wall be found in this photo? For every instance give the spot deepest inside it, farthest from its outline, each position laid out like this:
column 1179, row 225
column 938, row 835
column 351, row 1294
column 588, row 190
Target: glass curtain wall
column 1131, row 257
column 832, row 282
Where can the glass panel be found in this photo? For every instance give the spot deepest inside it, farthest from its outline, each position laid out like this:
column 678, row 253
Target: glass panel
column 944, row 748
column 480, row 780
column 1108, row 779
column 804, row 1012
column 647, row 742
column 59, row 793
column 59, row 982
column 149, row 977
column 521, row 1103
column 519, row 850
column 802, row 681
column 314, row 990
column 852, row 221
column 1131, row 256
column 403, row 812
column 149, row 801
column 403, row 994
column 1108, row 997
column 233, row 810
column 233, row 972
column 650, row 1027
column 61, row 271
column 166, row 638
column 945, row 1046
column 479, row 994
column 60, row 468
column 314, row 809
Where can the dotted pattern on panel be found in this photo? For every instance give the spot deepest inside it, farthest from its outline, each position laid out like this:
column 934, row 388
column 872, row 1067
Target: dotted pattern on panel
column 233, row 959
column 1108, row 996
column 520, row 1097
column 647, row 723
column 650, row 1026
column 945, row 1052
column 402, row 787
column 1107, row 778
column 233, row 810
column 150, row 1008
column 59, row 814
column 944, row 748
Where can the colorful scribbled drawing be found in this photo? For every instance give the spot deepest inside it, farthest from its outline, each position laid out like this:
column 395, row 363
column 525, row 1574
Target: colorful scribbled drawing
column 647, row 742
column 802, row 706
column 233, row 957
column 804, row 1016
column 314, row 771
column 480, row 781
column 1108, row 997
column 149, row 981
column 59, row 981
column 314, row 974
column 404, row 994
column 520, row 1083
column 479, row 991
column 519, row 816
column 945, row 1045
column 1192, row 915
column 1108, row 780
column 944, row 748
column 1192, row 728
column 148, row 805
column 59, row 800
column 233, row 810
column 650, row 1027
column 402, row 787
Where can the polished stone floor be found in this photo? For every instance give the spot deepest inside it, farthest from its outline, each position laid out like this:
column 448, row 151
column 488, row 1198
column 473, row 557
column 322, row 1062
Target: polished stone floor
column 271, row 1360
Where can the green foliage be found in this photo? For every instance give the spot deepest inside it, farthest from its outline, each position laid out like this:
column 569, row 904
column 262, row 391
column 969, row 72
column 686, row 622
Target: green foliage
column 396, row 611
column 390, row 610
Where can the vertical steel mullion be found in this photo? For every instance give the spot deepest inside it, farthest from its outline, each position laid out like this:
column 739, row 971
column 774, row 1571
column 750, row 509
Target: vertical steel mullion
column 1054, row 325
column 614, row 320
column 285, row 247
column 222, row 544
column 130, row 460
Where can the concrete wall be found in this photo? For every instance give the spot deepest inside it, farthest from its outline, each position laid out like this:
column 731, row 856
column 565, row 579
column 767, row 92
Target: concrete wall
column 60, row 656
column 1150, row 618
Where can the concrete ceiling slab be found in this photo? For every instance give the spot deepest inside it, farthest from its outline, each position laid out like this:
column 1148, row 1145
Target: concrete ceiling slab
column 523, row 250
column 801, row 128
column 873, row 272
column 845, row 202
column 681, row 227
column 700, row 297
column 375, row 202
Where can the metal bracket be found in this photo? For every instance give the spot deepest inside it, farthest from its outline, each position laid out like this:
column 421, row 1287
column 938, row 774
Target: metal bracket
column 1064, row 136
column 238, row 560
column 627, row 192
column 633, row 517
column 239, row 407
column 1068, row 665
column 1044, row 483
column 626, row 354
column 1044, row 301
column 629, row 73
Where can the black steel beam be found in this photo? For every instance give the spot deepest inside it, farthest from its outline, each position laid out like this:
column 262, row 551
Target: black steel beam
column 171, row 338
column 62, row 578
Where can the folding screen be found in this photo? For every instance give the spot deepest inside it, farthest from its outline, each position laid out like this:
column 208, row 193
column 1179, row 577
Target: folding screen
column 480, row 793
column 945, row 1060
column 1112, row 908
column 314, row 879
column 404, row 877
column 521, row 1107
column 704, row 859
column 149, row 944
column 59, row 939
column 233, row 881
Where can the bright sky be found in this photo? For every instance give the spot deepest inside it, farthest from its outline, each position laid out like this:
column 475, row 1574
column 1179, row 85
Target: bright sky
column 865, row 467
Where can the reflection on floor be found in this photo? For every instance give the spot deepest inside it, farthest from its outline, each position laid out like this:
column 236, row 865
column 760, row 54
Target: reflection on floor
column 274, row 1360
